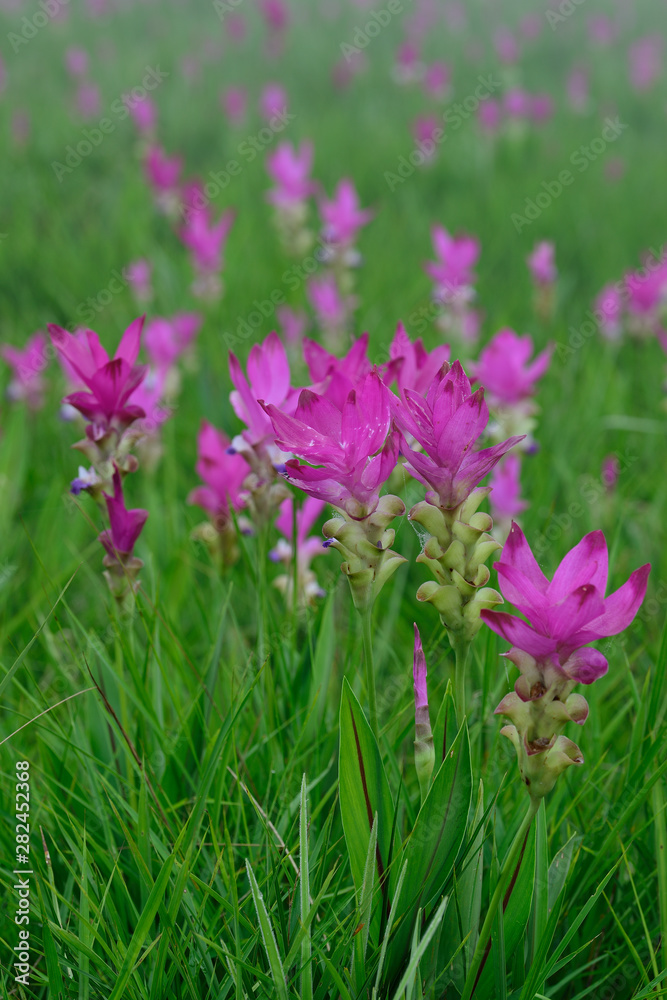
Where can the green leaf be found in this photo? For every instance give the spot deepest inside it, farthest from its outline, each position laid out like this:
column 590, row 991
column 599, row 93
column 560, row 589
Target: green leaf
column 364, row 791
column 445, row 729
column 268, row 937
column 416, row 956
column 516, row 913
column 304, row 880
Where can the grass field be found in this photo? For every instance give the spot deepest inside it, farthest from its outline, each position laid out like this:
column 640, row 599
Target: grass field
column 186, row 769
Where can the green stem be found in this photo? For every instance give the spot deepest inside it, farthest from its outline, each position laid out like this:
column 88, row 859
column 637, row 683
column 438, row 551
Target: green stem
column 661, row 861
column 370, row 670
column 461, row 650
column 504, row 880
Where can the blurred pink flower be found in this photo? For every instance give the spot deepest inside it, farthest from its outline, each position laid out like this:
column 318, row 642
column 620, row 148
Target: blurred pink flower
column 341, row 217
column 329, row 305
column 269, row 380
column 645, row 58
column 506, row 502
column 504, row 369
column 411, row 365
column 234, row 101
column 88, row 99
column 138, row 274
column 437, row 77
column 541, row 263
column 223, row 474
column 290, row 171
column 272, row 101
column 609, row 311
column 76, row 61
column 167, row 339
column 27, row 365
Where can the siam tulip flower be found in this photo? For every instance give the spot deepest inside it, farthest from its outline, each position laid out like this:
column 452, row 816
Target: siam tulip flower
column 541, row 263
column 293, row 323
column 223, row 474
column 509, row 377
column 447, row 425
column 27, row 365
column 609, row 312
column 578, row 89
column 121, row 566
column 88, row 102
column 517, row 103
column 541, row 108
column 568, row 612
column 427, row 132
column 646, row 292
column 457, row 543
column 138, row 275
column 206, row 241
column 490, row 115
column 342, row 218
column 414, row 367
column 76, row 61
column 408, row 66
column 163, row 174
column 143, row 113
column 645, row 61
column 331, row 309
column 611, row 470
column 351, row 452
column 272, row 101
column 436, row 80
column 454, row 278
column 601, row 29
column 86, row 481
column 506, row 502
column 167, row 339
column 424, row 749
column 107, row 404
column 234, row 102
column 335, row 377
column 307, row 547
column 290, row 171
column 276, row 17
column 552, row 648
column 506, row 46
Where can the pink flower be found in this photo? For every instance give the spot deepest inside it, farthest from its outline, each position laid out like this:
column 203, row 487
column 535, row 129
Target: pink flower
column 541, row 108
column 413, row 366
column 292, row 322
column 335, row 377
column 568, row 612
column 143, row 113
column 517, row 103
column 342, row 217
column 457, row 256
column 609, row 312
column 447, row 424
column 419, row 678
column 506, row 45
column 647, row 291
column 506, row 502
column 541, row 263
column 149, row 397
column 167, row 339
column 76, row 61
column 645, row 59
column 234, row 101
column 330, row 307
column 88, row 99
column 27, row 365
column 162, row 171
column 272, row 101
column 138, row 274
column 307, row 546
column 126, row 525
column 490, row 114
column 222, row 472
column 206, row 239
column 268, row 380
column 110, row 383
column 504, row 370
column 428, row 132
column 601, row 29
column 351, row 451
column 436, row 80
column 290, row 171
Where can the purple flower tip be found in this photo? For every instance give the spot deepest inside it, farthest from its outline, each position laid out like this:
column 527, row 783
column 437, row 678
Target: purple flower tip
column 231, row 450
column 329, row 541
column 379, row 545
column 281, row 469
column 76, row 486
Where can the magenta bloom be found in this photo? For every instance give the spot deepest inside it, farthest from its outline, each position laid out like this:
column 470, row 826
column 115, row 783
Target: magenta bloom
column 138, row 274
column 76, row 61
column 206, row 239
column 110, row 383
column 447, row 424
column 457, row 256
column 293, row 323
column 272, row 101
column 645, row 59
column 234, row 101
column 568, row 612
column 329, row 305
column 609, row 312
column 126, row 525
column 504, row 369
column 162, row 171
column 506, row 502
column 517, row 103
column 167, row 339
column 419, row 677
column 335, row 377
column 290, row 171
column 413, row 366
column 436, row 80
column 541, row 108
column 143, row 113
column 268, row 380
column 222, row 472
column 490, row 114
column 27, row 365
column 88, row 101
column 354, row 448
column 342, row 216
column 541, row 263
